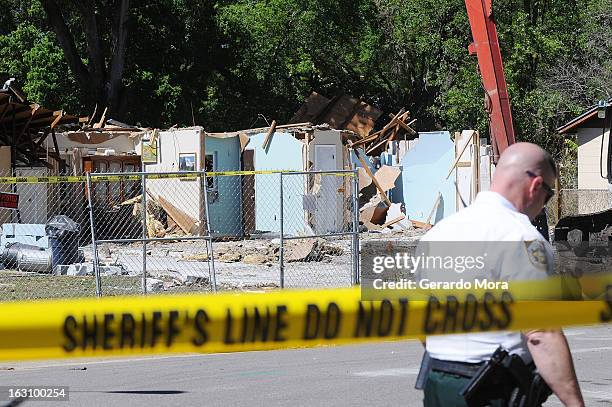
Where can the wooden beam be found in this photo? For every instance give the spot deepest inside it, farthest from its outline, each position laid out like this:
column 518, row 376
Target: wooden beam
column 396, row 129
column 55, row 145
column 407, row 127
column 467, row 143
column 420, row 225
column 19, row 110
column 42, row 139
column 31, row 142
column 4, row 111
column 100, row 124
column 93, row 115
column 57, row 119
column 393, row 121
column 268, row 139
column 59, row 159
column 44, row 118
column 183, row 220
column 365, row 140
column 370, row 149
column 35, row 108
column 434, row 208
column 381, row 191
column 391, row 115
column 393, row 221
column 476, row 160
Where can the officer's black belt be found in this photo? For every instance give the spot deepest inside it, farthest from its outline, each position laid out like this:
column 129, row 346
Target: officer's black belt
column 457, row 368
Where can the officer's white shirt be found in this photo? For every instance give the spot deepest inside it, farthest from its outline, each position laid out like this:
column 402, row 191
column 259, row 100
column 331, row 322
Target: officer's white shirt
column 491, row 218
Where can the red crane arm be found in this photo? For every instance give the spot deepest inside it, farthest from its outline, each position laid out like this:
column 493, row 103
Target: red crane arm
column 486, row 48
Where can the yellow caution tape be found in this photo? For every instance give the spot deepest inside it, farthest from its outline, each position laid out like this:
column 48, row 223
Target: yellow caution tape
column 41, row 180
column 245, row 322
column 127, row 177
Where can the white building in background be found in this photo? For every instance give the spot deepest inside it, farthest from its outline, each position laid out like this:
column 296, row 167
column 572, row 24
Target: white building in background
column 592, row 134
column 591, row 129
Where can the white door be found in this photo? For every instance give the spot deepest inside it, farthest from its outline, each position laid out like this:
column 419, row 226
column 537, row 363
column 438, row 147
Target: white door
column 325, row 157
column 32, row 197
column 328, row 211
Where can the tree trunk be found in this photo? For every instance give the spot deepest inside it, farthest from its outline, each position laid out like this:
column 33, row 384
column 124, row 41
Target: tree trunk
column 96, row 66
column 100, row 84
column 116, row 93
column 56, row 20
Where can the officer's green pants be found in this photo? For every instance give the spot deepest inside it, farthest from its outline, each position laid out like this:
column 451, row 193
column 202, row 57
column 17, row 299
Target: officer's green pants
column 442, row 390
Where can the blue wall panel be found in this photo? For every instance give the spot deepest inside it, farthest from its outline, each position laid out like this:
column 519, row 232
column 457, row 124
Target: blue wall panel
column 226, row 209
column 424, row 169
column 284, row 153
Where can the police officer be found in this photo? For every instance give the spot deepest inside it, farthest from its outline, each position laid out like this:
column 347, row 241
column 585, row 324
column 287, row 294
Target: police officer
column 520, row 188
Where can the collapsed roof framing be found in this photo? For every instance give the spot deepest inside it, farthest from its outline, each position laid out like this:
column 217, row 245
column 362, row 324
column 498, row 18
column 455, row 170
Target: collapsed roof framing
column 25, row 126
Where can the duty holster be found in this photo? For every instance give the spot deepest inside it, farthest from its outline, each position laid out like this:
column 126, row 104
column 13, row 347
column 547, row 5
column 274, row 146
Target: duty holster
column 508, row 378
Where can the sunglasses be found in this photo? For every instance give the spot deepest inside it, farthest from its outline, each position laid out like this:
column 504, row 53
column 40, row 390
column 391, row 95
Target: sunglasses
column 549, row 191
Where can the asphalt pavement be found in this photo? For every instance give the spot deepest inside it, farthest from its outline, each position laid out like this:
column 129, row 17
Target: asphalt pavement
column 379, row 374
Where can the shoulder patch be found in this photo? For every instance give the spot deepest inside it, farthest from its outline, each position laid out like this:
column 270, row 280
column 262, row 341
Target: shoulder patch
column 537, row 253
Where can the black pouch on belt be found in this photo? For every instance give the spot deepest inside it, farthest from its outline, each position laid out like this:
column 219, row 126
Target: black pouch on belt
column 506, row 377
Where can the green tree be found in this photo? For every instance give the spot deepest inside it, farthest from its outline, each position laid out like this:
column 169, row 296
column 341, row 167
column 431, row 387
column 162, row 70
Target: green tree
column 30, row 55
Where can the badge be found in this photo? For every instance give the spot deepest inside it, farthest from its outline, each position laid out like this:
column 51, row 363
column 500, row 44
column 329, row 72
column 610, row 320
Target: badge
column 537, row 254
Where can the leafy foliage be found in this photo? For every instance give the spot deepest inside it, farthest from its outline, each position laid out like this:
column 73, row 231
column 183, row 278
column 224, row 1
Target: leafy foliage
column 227, row 64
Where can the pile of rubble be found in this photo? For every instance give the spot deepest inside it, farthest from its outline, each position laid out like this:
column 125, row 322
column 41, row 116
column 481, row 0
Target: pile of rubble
column 163, row 218
column 265, row 252
column 376, row 212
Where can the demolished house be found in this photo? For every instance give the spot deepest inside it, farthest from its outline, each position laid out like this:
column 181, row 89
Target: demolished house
column 248, row 204
column 423, row 180
column 410, row 179
column 28, row 150
column 406, row 180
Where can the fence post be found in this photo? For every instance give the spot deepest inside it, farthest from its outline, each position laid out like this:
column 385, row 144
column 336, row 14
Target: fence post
column 281, row 251
column 558, row 206
column 94, row 245
column 212, row 275
column 143, row 181
column 355, row 239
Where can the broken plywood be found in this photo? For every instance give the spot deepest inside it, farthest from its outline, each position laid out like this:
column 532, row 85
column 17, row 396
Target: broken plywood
column 386, row 177
column 299, row 250
column 184, row 221
column 364, row 178
column 341, row 113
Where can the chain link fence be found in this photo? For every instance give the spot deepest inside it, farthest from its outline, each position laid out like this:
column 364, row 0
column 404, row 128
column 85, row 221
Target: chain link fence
column 155, row 236
column 176, row 232
column 318, row 227
column 49, row 227
column 244, row 222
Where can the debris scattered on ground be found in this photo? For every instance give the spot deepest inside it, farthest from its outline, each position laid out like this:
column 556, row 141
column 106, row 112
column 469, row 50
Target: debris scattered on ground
column 255, row 258
column 86, row 269
column 230, row 257
column 312, row 249
column 197, row 257
column 154, row 285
